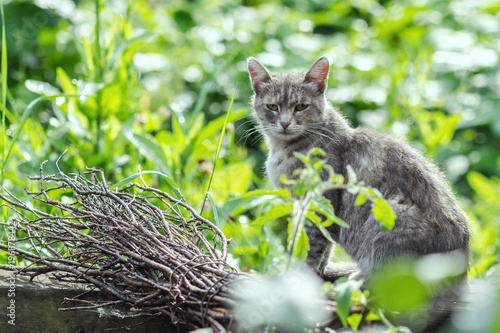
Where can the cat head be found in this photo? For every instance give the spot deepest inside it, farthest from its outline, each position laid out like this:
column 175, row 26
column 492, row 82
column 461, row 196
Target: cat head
column 288, row 105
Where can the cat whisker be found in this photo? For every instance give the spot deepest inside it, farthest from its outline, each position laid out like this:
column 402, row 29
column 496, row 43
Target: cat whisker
column 250, row 132
column 244, row 123
column 318, row 133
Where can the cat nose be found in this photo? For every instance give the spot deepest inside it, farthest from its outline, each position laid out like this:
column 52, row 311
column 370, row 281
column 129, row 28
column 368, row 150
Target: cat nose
column 285, row 124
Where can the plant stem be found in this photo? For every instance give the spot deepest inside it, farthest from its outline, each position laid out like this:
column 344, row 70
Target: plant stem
column 4, row 103
column 219, row 146
column 99, row 74
column 299, row 214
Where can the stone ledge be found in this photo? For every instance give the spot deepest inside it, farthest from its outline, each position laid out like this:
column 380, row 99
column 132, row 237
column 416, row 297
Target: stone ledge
column 37, row 303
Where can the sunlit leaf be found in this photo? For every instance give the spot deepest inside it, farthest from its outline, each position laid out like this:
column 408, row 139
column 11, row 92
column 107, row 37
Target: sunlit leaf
column 231, row 179
column 214, row 126
column 361, row 199
column 302, row 157
column 316, row 151
column 65, row 82
column 283, row 193
column 125, row 45
column 302, row 245
column 354, row 320
column 371, row 316
column 483, row 186
column 313, row 217
column 299, row 189
column 325, row 233
column 384, row 214
column 215, row 214
column 40, row 87
column 343, row 294
column 275, row 212
column 149, row 149
column 178, row 132
column 89, row 57
column 323, row 206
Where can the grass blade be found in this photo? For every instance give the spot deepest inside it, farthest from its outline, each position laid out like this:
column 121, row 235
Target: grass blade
column 4, row 90
column 219, row 145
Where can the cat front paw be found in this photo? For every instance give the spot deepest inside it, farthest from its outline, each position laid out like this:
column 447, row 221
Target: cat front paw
column 335, row 271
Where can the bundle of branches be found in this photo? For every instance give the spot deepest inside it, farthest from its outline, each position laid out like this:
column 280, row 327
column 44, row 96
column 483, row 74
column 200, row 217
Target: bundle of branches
column 149, row 249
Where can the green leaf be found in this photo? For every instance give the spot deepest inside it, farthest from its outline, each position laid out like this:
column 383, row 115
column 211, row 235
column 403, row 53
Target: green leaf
column 178, row 132
column 325, row 233
column 354, row 320
column 65, row 82
column 41, row 87
column 214, row 210
column 150, row 149
column 299, row 188
column 200, row 103
column 316, row 151
column 214, row 126
column 275, row 212
column 264, row 245
column 353, row 179
column 196, row 126
column 88, row 57
column 282, row 193
column 323, row 206
column 302, row 245
column 361, row 199
column 384, row 214
column 286, row 181
column 371, row 316
column 487, row 189
column 230, row 180
column 311, row 215
column 302, row 157
column 343, row 296
column 124, row 46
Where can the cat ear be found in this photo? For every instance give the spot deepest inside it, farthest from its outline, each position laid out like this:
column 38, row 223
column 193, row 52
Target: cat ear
column 318, row 74
column 258, row 73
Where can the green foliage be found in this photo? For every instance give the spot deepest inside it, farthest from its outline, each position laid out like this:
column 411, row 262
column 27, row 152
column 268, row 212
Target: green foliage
column 310, row 206
column 484, row 209
column 141, row 89
column 344, row 290
column 150, row 78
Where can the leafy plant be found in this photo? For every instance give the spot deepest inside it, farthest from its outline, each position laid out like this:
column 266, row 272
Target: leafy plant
column 310, row 206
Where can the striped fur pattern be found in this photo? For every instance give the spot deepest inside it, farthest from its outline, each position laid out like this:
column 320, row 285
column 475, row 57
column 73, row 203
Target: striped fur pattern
column 293, row 115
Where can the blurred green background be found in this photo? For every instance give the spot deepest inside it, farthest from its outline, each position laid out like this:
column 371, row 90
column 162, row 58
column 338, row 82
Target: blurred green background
column 153, row 81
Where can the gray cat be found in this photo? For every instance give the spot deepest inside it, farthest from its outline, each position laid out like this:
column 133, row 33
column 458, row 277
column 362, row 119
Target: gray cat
column 294, row 116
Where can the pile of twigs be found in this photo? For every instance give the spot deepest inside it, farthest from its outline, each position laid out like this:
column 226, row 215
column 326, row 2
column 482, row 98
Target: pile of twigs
column 150, row 250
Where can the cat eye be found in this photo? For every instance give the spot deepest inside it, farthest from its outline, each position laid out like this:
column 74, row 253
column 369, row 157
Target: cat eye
column 272, row 107
column 301, row 107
